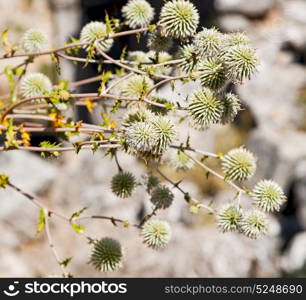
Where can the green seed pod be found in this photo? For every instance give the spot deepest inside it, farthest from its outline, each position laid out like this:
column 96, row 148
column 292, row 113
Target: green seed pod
column 238, row 164
column 138, row 13
column 93, row 31
column 212, row 73
column 34, row 40
column 205, row 108
column 179, row 19
column 229, row 217
column 161, row 197
column 35, row 84
column 123, row 184
column 156, row 234
column 254, row 224
column 268, row 196
column 106, row 255
column 151, row 182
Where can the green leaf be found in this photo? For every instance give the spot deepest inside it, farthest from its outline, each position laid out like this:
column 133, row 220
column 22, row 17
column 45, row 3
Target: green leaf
column 41, row 221
column 78, row 228
column 4, row 180
column 65, row 262
column 12, row 84
column 78, row 213
column 152, row 27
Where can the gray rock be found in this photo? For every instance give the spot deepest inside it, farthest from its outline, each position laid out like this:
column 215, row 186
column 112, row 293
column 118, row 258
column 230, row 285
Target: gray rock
column 234, row 22
column 251, row 8
column 295, row 256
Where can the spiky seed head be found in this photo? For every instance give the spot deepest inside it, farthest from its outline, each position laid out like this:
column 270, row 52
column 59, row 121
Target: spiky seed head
column 268, row 196
column 212, row 73
column 208, row 41
column 134, row 116
column 254, row 224
column 241, row 62
column 93, row 31
column 156, row 109
column 123, row 184
column 138, row 13
column 190, row 54
column 181, row 161
column 231, row 107
column 156, row 234
column 238, row 164
column 106, row 255
column 34, row 40
column 234, row 39
column 161, row 197
column 137, row 86
column 151, row 182
column 179, row 19
column 205, row 108
column 35, row 84
column 141, row 136
column 165, row 132
column 157, row 42
column 229, row 217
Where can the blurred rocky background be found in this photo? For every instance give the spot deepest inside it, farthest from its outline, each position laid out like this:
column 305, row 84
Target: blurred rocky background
column 272, row 125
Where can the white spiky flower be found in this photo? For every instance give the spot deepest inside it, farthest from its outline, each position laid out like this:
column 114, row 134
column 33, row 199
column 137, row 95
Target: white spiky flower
column 268, row 196
column 156, row 233
column 181, row 161
column 106, row 255
column 138, row 56
column 137, row 86
column 136, row 115
column 205, row 108
column 138, row 13
column 34, row 40
column 208, row 41
column 159, row 57
column 179, row 19
column 229, row 217
column 231, row 107
column 157, row 42
column 35, row 84
column 212, row 73
column 165, row 132
column 238, row 164
column 241, row 62
column 93, row 31
column 141, row 136
column 254, row 224
column 234, row 39
column 190, row 55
